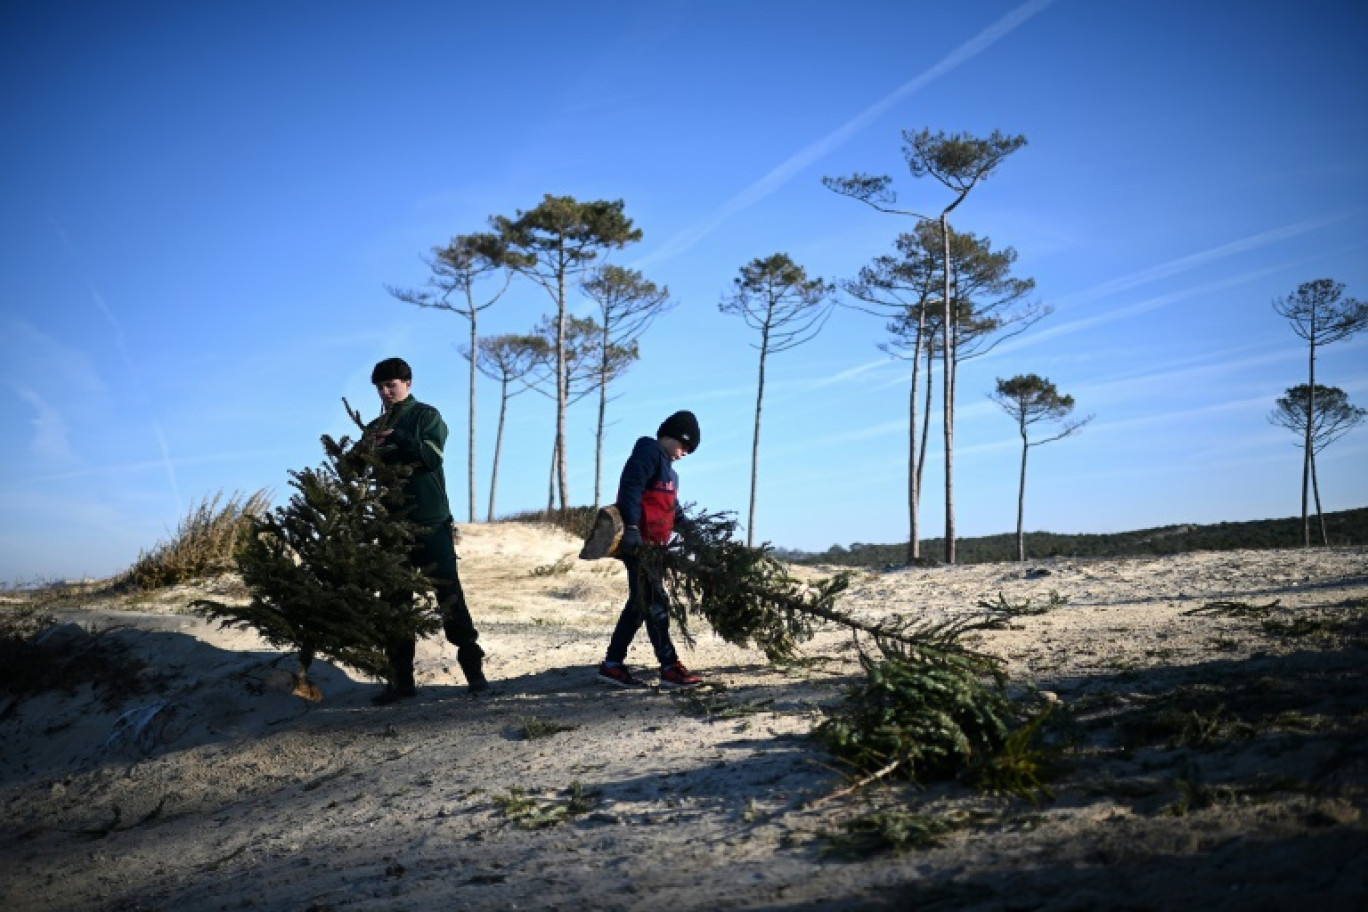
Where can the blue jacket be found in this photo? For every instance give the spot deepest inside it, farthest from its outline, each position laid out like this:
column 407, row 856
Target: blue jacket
column 648, row 491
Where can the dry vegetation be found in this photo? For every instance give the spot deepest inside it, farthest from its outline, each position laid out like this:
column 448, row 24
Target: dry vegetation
column 204, row 544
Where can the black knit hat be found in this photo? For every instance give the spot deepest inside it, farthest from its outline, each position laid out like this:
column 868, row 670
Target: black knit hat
column 682, row 426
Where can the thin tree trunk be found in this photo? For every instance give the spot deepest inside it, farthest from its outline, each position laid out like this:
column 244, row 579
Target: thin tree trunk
column 925, row 428
column 602, row 412
column 551, row 479
column 498, row 448
column 474, row 355
column 598, row 446
column 755, row 442
column 1306, row 445
column 913, row 463
column 562, row 391
column 926, row 419
column 1021, row 496
column 913, row 535
column 948, row 391
column 1320, row 515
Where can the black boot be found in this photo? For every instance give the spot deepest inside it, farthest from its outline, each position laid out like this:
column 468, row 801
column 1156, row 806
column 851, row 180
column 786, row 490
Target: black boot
column 471, row 660
column 399, row 683
column 394, row 693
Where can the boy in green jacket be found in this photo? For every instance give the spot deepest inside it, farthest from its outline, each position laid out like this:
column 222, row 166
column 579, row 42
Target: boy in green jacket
column 413, row 433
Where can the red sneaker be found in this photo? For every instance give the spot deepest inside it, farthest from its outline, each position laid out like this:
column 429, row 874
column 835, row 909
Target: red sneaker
column 619, row 676
column 677, row 676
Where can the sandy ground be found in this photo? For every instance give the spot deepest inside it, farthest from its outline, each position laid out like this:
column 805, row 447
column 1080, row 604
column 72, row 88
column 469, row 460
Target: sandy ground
column 1213, row 756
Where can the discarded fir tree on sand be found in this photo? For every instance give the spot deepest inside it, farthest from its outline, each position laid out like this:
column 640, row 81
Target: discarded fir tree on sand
column 329, row 571
column 929, row 705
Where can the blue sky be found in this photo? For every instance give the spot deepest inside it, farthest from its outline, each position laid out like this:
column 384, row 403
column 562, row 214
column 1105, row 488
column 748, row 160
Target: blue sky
column 201, row 205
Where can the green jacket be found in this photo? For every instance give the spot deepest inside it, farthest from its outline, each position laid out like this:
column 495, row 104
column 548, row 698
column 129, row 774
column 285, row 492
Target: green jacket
column 418, row 438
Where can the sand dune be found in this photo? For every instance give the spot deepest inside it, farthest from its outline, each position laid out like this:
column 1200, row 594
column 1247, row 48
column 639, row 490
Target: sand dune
column 215, row 788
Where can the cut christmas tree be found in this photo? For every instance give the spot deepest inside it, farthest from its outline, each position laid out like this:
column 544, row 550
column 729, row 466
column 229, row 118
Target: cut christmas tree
column 329, row 572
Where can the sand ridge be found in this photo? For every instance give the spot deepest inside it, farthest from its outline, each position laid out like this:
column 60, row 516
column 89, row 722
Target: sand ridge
column 218, row 789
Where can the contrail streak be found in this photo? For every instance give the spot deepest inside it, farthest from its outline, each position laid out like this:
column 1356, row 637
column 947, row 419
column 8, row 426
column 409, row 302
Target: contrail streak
column 795, row 163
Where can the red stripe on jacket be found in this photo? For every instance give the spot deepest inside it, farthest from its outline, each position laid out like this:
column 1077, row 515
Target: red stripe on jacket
column 648, row 491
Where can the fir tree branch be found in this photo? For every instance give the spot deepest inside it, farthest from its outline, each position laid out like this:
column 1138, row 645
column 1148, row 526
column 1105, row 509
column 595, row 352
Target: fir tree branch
column 747, row 596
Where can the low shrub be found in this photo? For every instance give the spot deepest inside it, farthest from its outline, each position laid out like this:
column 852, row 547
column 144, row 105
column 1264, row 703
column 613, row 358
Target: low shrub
column 39, row 655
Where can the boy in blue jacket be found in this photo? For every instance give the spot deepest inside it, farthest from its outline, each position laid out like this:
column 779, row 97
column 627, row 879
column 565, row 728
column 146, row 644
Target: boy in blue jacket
column 648, row 501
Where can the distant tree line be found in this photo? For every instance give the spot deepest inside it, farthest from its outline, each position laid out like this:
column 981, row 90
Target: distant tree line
column 1346, row 528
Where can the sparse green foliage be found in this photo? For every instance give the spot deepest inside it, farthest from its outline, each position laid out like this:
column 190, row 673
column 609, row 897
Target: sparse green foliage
column 1300, row 626
column 1197, row 729
column 1175, row 721
column 1026, row 607
column 896, row 830
column 1021, row 766
column 534, row 814
column 1195, row 794
column 711, row 703
column 559, row 568
column 206, row 543
column 1296, row 720
column 535, row 727
column 1326, row 619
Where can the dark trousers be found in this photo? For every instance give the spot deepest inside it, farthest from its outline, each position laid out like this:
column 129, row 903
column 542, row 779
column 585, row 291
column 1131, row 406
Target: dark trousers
column 434, row 550
column 647, row 604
